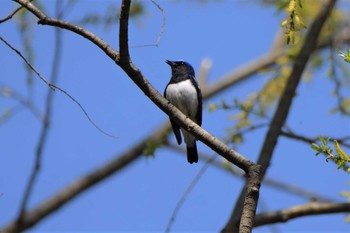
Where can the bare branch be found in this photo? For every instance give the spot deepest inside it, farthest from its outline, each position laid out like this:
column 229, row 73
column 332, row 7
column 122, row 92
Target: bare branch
column 54, row 87
column 125, row 63
column 32, row 217
column 11, row 15
column 162, row 28
column 284, row 105
column 123, row 31
column 46, row 123
column 290, row 134
column 187, row 192
column 134, row 154
column 246, row 71
column 28, row 63
column 9, row 92
column 163, row 22
column 268, row 181
column 252, row 170
column 309, row 209
column 243, row 72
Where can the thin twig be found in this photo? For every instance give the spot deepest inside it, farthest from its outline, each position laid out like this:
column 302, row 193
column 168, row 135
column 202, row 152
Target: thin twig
column 309, row 209
column 86, row 182
column 11, row 15
column 162, row 28
column 187, row 192
column 290, row 134
column 8, row 113
column 54, row 87
column 68, row 193
column 271, row 182
column 9, row 92
column 28, row 63
column 46, row 123
column 163, row 22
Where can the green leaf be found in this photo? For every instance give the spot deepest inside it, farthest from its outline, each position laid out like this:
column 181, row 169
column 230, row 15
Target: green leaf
column 150, row 148
column 316, row 147
column 212, row 107
column 237, row 138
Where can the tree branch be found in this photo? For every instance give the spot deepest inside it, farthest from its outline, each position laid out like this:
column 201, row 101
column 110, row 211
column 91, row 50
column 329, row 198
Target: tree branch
column 123, row 32
column 32, row 217
column 271, row 182
column 11, row 15
column 309, row 209
column 108, row 169
column 124, row 62
column 46, row 123
column 309, row 140
column 284, row 105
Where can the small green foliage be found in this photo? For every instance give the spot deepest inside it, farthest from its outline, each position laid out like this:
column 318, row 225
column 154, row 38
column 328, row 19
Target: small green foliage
column 212, row 107
column 242, row 117
column 152, row 144
column 345, row 55
column 339, row 156
column 323, row 148
column 237, row 138
column 151, row 147
column 294, row 22
column 136, row 9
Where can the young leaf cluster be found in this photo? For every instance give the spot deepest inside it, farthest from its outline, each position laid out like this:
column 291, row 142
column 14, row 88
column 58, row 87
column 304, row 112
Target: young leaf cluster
column 337, row 154
column 293, row 23
column 345, row 55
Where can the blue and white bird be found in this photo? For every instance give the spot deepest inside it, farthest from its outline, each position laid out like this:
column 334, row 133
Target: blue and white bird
column 183, row 92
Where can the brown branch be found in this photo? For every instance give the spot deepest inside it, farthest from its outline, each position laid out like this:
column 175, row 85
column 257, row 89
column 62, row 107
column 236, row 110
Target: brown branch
column 247, row 71
column 123, row 32
column 124, row 62
column 11, row 15
column 108, row 169
column 309, row 140
column 9, row 92
column 243, row 72
column 28, row 63
column 46, row 123
column 162, row 28
column 271, row 182
column 252, row 170
column 137, row 77
column 54, row 87
column 309, row 209
column 187, row 192
column 73, row 190
column 283, row 106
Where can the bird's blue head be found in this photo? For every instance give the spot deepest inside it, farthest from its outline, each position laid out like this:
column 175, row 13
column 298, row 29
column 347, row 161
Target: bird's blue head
column 180, row 67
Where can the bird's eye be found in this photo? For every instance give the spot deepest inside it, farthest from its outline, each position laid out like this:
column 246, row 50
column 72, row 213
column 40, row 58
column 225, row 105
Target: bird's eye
column 182, row 63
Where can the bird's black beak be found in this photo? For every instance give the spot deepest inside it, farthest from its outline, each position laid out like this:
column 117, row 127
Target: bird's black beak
column 170, row 63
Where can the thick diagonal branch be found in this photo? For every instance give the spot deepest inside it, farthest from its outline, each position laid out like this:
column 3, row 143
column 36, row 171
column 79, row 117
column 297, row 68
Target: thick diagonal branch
column 284, row 105
column 309, row 209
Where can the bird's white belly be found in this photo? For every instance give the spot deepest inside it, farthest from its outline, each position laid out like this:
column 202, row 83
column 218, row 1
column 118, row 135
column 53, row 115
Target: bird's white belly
column 184, row 96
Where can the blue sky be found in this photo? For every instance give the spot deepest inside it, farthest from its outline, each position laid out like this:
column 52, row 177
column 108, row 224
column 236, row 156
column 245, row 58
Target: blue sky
column 143, row 196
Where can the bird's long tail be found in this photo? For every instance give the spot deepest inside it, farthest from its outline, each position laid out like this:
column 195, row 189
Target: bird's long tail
column 192, row 154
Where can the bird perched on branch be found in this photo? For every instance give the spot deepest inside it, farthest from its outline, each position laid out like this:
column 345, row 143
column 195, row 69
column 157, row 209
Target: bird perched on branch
column 183, row 92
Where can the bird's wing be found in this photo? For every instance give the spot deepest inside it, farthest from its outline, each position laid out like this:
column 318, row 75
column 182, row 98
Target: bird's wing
column 199, row 98
column 176, row 130
column 176, row 127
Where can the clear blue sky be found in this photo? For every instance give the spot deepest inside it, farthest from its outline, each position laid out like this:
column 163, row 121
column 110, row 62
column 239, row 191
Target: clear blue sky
column 143, row 196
